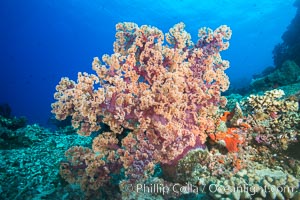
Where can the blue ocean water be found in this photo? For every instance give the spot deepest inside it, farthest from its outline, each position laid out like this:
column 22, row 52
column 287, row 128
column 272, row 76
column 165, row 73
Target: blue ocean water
column 42, row 41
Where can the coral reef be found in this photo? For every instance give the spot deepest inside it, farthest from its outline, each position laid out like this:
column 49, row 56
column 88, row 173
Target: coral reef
column 12, row 134
column 274, row 119
column 31, row 171
column 167, row 131
column 290, row 48
column 288, row 73
column 159, row 129
column 253, row 181
column 286, row 59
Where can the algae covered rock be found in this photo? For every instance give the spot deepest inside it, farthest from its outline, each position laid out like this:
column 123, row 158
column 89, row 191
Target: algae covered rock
column 288, row 73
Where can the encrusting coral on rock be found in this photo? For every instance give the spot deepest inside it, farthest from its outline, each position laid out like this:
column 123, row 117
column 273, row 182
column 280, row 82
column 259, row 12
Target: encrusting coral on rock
column 274, row 119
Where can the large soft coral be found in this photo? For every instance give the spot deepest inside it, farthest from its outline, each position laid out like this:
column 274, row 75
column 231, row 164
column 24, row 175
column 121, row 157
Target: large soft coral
column 166, row 95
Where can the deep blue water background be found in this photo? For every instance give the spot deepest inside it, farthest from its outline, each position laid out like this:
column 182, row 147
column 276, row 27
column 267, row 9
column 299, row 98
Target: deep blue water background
column 44, row 40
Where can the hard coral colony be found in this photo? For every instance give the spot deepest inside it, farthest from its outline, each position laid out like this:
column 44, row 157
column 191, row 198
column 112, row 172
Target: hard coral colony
column 161, row 102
